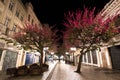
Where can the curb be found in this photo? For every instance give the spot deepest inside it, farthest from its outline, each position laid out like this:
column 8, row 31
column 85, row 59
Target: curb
column 50, row 74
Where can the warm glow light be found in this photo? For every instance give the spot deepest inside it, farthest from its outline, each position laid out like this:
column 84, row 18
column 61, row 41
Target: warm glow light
column 52, row 52
column 73, row 49
column 66, row 53
column 61, row 57
column 45, row 48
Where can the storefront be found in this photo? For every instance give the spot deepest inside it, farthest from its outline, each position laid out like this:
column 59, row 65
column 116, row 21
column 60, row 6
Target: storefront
column 32, row 58
column 90, row 58
column 10, row 59
column 114, row 52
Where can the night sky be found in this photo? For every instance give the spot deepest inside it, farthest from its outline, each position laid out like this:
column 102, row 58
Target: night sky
column 52, row 11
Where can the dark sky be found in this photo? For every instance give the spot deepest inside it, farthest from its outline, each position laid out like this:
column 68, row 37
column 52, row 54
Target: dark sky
column 52, row 11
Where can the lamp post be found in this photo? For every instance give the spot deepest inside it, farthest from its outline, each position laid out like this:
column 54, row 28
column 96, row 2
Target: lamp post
column 44, row 51
column 73, row 49
column 52, row 53
column 66, row 60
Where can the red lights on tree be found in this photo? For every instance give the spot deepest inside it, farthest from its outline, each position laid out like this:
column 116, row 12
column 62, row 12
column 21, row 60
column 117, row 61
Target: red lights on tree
column 87, row 31
column 36, row 38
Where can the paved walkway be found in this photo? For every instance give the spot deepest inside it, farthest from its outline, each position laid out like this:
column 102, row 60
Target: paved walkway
column 45, row 75
column 66, row 72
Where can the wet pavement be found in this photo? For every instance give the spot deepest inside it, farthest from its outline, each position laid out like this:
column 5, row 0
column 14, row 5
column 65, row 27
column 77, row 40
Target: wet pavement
column 44, row 76
column 66, row 72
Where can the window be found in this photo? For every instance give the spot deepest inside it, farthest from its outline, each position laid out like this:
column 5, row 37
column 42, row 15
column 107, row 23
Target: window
column 28, row 17
column 21, row 18
column 6, row 23
column 11, row 5
column 117, row 21
column 32, row 21
column 89, row 57
column 7, row 20
column 17, row 13
column 14, row 28
column 94, row 57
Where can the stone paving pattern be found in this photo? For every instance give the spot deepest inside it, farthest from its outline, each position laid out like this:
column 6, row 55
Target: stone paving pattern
column 66, row 72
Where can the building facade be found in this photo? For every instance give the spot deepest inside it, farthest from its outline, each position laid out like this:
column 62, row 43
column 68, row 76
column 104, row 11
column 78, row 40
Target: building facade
column 13, row 16
column 112, row 9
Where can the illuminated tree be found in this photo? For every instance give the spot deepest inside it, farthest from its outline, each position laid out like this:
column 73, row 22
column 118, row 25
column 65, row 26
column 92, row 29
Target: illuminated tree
column 87, row 31
column 36, row 38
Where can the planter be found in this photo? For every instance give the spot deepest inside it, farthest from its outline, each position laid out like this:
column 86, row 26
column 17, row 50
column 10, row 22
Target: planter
column 45, row 67
column 11, row 71
column 22, row 70
column 34, row 69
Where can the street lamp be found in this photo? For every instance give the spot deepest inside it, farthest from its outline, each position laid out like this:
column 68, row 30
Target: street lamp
column 67, row 57
column 73, row 49
column 66, row 53
column 45, row 49
column 52, row 55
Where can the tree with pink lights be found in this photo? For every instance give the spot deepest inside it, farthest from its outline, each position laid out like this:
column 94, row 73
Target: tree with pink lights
column 87, row 31
column 36, row 38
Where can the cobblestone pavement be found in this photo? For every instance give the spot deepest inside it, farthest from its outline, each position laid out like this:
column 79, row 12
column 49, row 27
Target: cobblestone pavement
column 3, row 75
column 66, row 72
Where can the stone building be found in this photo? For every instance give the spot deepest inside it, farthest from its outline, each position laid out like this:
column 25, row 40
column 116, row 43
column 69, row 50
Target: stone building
column 13, row 15
column 112, row 9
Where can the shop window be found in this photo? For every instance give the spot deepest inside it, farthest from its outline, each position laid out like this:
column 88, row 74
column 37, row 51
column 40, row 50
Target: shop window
column 89, row 57
column 94, row 56
column 10, row 60
column 85, row 60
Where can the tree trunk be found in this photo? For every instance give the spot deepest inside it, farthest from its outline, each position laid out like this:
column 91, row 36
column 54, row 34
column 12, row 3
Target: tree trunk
column 41, row 60
column 79, row 64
